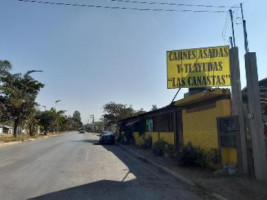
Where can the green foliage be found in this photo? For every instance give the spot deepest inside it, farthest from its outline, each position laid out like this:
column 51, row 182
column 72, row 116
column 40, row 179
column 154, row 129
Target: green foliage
column 158, row 147
column 77, row 116
column 47, row 120
column 196, row 157
column 154, row 107
column 17, row 93
column 169, row 151
column 18, row 107
column 147, row 143
column 51, row 119
column 113, row 112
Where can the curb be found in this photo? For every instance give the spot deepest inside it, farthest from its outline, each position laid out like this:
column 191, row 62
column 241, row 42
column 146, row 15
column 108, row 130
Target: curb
column 170, row 172
column 166, row 170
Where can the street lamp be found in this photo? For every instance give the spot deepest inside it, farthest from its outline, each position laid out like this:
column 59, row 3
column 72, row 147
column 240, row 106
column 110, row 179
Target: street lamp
column 93, row 121
column 57, row 101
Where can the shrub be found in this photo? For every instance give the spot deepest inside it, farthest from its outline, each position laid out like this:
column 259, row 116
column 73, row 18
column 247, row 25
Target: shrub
column 147, row 143
column 158, row 147
column 169, row 151
column 196, row 157
column 11, row 138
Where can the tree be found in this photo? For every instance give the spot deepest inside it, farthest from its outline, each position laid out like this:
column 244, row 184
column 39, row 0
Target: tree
column 154, row 107
column 51, row 120
column 113, row 112
column 77, row 115
column 18, row 94
column 32, row 121
column 5, row 66
column 46, row 120
column 141, row 111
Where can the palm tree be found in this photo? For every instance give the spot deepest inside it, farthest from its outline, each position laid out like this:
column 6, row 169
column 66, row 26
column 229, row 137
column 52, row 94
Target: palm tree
column 18, row 95
column 5, row 66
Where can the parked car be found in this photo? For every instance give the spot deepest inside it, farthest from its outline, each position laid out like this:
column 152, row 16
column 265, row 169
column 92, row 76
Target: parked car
column 81, row 131
column 107, row 138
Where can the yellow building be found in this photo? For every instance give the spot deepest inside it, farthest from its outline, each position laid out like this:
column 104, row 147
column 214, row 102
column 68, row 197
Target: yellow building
column 200, row 114
column 193, row 119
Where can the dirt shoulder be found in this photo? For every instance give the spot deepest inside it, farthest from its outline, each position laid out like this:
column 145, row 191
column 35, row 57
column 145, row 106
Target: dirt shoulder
column 230, row 187
column 6, row 140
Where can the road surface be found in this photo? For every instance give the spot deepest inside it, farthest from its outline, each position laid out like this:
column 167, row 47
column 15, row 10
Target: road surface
column 71, row 166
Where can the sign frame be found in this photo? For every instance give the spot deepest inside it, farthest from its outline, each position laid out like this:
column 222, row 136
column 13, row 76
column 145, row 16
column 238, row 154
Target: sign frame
column 227, row 60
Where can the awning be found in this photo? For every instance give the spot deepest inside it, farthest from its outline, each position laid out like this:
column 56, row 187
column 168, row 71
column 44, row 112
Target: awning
column 130, row 123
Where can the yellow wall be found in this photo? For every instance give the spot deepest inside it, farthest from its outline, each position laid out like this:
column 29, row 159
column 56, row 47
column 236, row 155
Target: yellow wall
column 138, row 139
column 229, row 155
column 200, row 127
column 153, row 135
column 166, row 136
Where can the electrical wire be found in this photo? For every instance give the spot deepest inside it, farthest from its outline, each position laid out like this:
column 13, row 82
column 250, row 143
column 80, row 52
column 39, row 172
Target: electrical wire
column 225, row 29
column 118, row 7
column 170, row 4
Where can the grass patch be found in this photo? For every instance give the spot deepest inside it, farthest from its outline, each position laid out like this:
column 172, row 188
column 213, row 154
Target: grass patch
column 19, row 138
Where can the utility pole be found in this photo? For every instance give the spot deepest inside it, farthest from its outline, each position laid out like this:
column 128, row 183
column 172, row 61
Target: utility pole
column 233, row 28
column 255, row 117
column 231, row 42
column 237, row 110
column 244, row 30
column 254, row 106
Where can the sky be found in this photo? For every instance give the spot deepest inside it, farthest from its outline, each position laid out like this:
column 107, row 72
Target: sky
column 92, row 56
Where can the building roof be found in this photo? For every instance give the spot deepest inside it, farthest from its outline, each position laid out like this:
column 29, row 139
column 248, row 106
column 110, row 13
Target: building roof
column 5, row 126
column 137, row 117
column 263, row 91
column 202, row 96
column 191, row 99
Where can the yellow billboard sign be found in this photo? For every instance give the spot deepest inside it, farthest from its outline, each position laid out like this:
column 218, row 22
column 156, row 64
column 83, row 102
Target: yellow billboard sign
column 200, row 67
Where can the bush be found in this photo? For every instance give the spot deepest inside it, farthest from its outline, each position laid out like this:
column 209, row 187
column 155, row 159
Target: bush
column 196, row 157
column 158, row 147
column 169, row 151
column 147, row 143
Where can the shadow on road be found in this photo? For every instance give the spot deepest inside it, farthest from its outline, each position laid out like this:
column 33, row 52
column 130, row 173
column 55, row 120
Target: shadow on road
column 143, row 184
column 104, row 189
column 87, row 140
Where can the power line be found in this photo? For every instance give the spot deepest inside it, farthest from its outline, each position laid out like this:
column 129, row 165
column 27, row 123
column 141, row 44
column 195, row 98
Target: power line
column 171, row 4
column 118, row 7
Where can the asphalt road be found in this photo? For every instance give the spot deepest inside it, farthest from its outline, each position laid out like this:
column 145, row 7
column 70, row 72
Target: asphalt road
column 72, row 166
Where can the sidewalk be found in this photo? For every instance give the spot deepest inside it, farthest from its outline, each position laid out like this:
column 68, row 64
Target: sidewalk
column 226, row 187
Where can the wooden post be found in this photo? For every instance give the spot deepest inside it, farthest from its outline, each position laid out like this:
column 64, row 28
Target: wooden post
column 237, row 110
column 255, row 117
